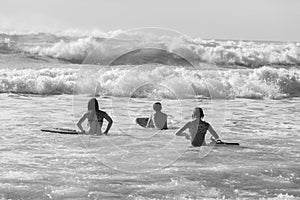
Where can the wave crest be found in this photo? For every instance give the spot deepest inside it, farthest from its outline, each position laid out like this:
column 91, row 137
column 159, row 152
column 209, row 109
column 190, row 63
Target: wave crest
column 155, row 81
column 75, row 47
column 74, row 51
column 43, row 81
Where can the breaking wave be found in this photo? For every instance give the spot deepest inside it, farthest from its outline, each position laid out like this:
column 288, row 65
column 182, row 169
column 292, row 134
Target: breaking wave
column 155, row 81
column 75, row 47
column 43, row 81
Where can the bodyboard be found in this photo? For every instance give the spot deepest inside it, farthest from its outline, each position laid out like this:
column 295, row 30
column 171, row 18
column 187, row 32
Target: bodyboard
column 142, row 121
column 223, row 143
column 61, row 131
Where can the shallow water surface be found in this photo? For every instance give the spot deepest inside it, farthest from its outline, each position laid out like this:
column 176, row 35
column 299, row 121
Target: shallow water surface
column 136, row 163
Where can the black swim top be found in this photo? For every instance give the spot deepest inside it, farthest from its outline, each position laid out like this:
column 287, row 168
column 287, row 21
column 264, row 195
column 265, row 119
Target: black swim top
column 200, row 135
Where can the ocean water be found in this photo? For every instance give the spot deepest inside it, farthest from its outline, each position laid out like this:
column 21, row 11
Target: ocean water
column 250, row 92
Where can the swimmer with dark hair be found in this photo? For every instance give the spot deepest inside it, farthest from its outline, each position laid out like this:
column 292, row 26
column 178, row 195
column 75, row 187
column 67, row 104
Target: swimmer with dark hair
column 95, row 118
column 198, row 128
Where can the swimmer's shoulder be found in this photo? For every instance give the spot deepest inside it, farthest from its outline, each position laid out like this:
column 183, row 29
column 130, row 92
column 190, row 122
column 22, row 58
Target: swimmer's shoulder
column 102, row 113
column 161, row 114
column 206, row 123
column 86, row 114
column 194, row 121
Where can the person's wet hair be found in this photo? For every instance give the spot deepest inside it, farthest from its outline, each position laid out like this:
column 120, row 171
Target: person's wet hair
column 93, row 104
column 157, row 106
column 198, row 112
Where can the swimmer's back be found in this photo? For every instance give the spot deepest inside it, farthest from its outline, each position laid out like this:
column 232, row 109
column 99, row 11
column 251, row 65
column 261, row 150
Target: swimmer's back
column 198, row 131
column 95, row 121
column 160, row 120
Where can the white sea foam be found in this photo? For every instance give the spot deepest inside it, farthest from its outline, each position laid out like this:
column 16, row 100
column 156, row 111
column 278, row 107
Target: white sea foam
column 149, row 81
column 75, row 51
column 74, row 46
column 43, row 81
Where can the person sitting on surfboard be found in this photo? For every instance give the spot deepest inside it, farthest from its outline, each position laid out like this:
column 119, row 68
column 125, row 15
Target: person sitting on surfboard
column 95, row 119
column 158, row 119
column 198, row 128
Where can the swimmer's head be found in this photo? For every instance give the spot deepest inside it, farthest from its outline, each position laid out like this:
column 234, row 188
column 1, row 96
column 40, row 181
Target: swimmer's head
column 157, row 106
column 198, row 113
column 93, row 104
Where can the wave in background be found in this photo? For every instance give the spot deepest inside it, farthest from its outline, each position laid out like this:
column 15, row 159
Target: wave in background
column 74, row 48
column 154, row 81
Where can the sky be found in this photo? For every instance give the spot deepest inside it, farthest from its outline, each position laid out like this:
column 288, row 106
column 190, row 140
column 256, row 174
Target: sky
column 271, row 20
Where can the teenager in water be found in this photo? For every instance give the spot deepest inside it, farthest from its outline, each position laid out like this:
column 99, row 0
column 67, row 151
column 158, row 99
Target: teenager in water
column 158, row 119
column 198, row 128
column 95, row 119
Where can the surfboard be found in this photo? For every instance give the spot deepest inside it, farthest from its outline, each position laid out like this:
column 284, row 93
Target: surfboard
column 61, row 131
column 142, row 121
column 228, row 143
column 221, row 143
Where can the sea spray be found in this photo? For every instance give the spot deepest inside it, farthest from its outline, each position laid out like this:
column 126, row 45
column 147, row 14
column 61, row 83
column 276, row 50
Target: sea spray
column 74, row 48
column 154, row 80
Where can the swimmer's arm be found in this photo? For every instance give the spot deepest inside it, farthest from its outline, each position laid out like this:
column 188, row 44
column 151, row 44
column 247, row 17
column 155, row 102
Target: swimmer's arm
column 84, row 116
column 149, row 123
column 180, row 131
column 213, row 132
column 166, row 123
column 110, row 122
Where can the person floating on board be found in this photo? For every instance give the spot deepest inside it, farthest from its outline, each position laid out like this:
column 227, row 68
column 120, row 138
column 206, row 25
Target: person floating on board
column 95, row 119
column 158, row 119
column 198, row 128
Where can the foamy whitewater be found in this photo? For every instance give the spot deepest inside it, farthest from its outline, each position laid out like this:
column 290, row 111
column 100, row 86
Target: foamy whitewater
column 250, row 92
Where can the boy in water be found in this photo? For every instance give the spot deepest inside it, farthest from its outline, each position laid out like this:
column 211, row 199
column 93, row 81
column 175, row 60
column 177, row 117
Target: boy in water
column 158, row 119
